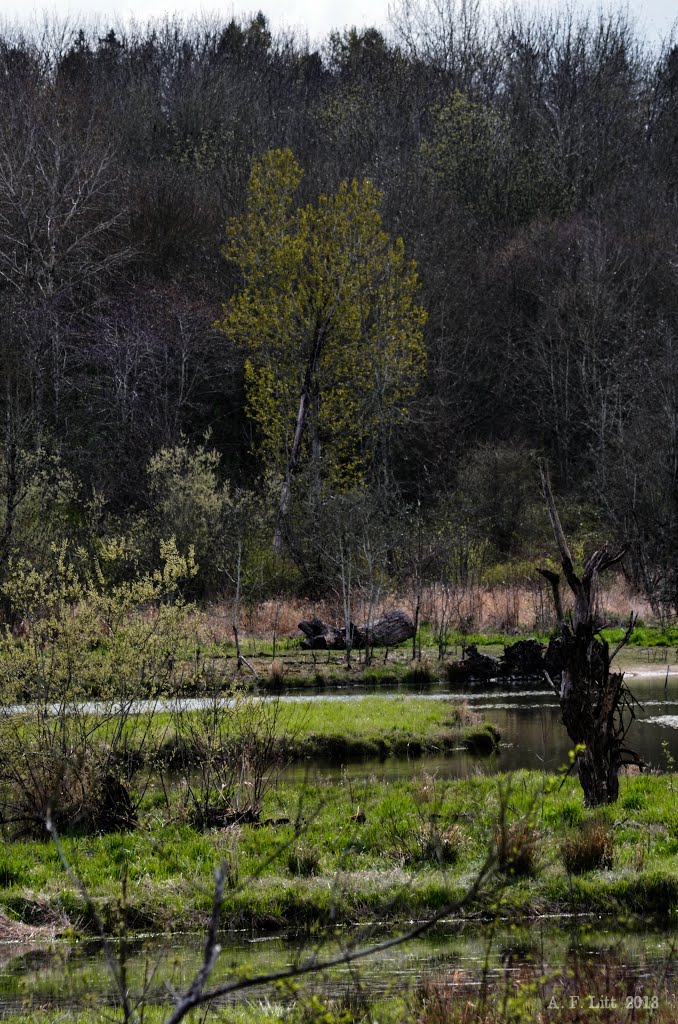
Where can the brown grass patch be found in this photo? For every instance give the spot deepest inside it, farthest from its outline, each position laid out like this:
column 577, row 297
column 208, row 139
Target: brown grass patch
column 591, row 849
column 518, row 855
column 508, row 608
column 17, row 938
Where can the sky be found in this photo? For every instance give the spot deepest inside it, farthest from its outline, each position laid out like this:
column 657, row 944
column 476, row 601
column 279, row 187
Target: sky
column 317, row 17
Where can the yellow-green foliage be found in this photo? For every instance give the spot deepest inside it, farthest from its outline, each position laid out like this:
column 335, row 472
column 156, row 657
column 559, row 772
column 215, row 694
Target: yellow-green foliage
column 68, row 611
column 75, row 638
column 48, row 505
column 191, row 504
column 324, row 279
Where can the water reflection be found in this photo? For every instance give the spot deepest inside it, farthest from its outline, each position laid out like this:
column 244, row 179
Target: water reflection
column 533, row 735
column 458, row 955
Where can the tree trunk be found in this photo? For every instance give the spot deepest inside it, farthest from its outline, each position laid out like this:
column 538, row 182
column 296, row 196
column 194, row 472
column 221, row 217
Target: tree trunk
column 307, row 391
column 596, row 705
column 392, row 629
column 592, row 701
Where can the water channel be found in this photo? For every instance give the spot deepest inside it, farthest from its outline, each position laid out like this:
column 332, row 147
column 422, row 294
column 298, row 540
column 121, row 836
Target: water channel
column 465, row 957
column 528, row 717
column 461, row 958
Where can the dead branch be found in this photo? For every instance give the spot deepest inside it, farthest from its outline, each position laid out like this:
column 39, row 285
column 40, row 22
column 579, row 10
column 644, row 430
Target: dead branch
column 627, row 636
column 554, row 580
column 212, row 950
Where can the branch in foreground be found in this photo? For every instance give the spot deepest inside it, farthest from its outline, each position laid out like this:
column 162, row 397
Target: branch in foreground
column 212, row 950
column 197, row 996
column 111, row 961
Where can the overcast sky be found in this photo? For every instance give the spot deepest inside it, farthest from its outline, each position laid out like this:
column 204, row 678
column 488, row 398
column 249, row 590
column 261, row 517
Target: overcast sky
column 654, row 17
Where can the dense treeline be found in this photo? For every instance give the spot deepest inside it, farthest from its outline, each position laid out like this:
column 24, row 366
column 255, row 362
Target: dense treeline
column 530, row 165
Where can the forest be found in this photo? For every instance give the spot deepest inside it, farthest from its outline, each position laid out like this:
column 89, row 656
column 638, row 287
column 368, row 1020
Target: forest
column 376, row 333
column 279, row 302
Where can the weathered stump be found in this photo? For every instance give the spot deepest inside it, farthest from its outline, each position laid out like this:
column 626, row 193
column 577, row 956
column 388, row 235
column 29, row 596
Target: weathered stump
column 472, row 666
column 392, row 629
column 596, row 705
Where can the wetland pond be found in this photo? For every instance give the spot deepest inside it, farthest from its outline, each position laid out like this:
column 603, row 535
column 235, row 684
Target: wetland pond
column 527, row 715
column 461, row 956
column 558, row 956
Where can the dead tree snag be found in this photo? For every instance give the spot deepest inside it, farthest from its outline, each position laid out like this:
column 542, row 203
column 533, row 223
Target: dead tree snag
column 596, row 705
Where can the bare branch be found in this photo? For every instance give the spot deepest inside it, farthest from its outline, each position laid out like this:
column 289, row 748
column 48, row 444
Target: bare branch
column 627, row 635
column 563, row 547
column 212, row 950
column 554, row 579
column 314, row 963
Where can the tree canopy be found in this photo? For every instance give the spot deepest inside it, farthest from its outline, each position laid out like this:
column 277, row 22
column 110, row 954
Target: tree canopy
column 329, row 321
column 528, row 163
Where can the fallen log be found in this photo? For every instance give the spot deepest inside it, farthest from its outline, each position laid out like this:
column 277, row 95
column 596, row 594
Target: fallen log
column 393, row 628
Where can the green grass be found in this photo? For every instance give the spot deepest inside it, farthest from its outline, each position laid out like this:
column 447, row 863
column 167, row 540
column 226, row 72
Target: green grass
column 645, row 636
column 376, row 855
column 355, row 727
column 373, row 726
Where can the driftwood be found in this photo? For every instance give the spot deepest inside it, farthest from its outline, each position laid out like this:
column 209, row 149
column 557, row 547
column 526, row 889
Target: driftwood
column 392, row 629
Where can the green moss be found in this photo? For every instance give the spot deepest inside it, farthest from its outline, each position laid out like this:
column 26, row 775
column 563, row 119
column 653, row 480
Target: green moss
column 482, row 739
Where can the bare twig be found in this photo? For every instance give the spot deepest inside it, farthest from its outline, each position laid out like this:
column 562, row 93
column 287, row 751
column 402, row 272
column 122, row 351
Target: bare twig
column 111, row 961
column 627, row 636
column 197, row 996
column 212, row 950
column 563, row 547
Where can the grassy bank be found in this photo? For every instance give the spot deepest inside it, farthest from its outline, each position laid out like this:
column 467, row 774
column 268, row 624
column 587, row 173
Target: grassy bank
column 353, row 852
column 649, row 648
column 354, row 728
column 378, row 726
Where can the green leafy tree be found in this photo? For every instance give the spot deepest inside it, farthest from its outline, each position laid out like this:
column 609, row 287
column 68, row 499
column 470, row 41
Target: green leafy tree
column 328, row 318
column 191, row 504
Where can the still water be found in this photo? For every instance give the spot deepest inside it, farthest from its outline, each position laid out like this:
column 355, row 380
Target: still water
column 457, row 956
column 462, row 958
column 532, row 734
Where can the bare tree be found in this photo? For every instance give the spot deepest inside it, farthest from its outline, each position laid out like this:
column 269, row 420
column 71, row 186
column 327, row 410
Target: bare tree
column 596, row 704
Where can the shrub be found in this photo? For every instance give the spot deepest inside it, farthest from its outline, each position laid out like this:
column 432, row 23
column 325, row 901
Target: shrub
column 588, row 850
column 64, row 759
column 230, row 752
column 190, row 503
column 517, row 853
column 303, row 860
